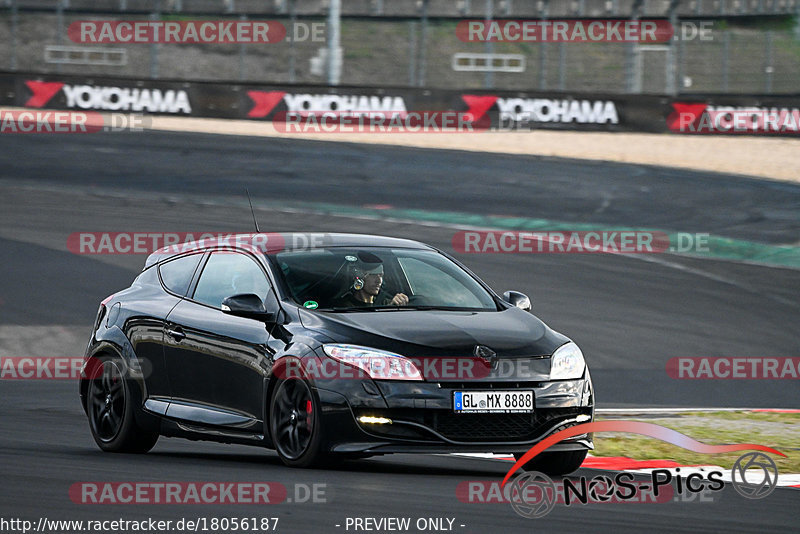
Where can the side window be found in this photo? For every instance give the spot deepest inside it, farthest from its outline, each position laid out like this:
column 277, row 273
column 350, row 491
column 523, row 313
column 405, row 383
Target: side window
column 227, row 274
column 177, row 274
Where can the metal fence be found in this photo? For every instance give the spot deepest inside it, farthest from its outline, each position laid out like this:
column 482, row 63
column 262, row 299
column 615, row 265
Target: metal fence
column 761, row 56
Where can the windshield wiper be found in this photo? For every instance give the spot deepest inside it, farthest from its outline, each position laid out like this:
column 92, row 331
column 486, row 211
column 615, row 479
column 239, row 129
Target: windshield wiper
column 444, row 308
column 367, row 308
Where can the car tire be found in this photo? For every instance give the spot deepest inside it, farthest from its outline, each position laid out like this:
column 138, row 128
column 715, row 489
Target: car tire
column 555, row 463
column 111, row 412
column 294, row 424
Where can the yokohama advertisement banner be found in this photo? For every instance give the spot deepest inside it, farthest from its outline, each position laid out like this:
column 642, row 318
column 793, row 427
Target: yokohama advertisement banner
column 495, row 110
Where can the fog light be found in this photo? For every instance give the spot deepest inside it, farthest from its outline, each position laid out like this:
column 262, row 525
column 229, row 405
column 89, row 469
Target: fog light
column 371, row 420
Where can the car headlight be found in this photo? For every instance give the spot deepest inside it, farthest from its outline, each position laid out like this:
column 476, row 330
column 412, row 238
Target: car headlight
column 567, row 362
column 378, row 364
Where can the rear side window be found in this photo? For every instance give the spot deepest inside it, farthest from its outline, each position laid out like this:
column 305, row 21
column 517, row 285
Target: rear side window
column 177, row 274
column 227, row 274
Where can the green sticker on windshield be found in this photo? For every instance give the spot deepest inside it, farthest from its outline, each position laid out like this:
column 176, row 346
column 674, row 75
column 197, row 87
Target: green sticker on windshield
column 310, row 304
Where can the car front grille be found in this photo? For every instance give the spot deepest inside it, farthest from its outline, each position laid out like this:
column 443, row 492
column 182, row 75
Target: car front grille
column 478, row 427
column 500, row 427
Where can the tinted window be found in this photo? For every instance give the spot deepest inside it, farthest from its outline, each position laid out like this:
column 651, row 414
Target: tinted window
column 227, row 274
column 177, row 274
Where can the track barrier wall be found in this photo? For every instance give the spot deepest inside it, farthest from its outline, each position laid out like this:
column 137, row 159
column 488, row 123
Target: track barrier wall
column 503, row 110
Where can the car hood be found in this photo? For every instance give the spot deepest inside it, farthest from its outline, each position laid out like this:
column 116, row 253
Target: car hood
column 510, row 333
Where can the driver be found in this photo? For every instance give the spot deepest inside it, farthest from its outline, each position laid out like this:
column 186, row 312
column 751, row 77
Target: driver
column 367, row 285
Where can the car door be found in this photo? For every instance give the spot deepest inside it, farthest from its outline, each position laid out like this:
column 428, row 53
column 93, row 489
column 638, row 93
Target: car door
column 160, row 288
column 216, row 362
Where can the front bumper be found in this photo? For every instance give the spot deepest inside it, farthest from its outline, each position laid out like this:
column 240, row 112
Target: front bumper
column 423, row 419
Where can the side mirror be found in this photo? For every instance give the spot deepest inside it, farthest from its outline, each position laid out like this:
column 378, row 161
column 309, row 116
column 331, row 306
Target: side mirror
column 520, row 300
column 247, row 305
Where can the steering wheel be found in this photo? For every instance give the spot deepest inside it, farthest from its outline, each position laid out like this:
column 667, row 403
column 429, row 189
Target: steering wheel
column 417, row 299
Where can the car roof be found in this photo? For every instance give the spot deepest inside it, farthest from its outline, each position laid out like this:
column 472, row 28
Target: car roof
column 272, row 243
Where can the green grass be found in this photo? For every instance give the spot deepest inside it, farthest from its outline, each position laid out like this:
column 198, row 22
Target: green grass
column 777, row 430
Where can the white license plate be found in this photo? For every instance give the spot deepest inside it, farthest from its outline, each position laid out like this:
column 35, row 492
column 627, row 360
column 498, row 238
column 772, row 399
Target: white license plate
column 493, row 401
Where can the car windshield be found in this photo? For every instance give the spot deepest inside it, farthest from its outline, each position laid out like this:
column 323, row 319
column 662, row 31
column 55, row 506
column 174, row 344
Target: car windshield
column 345, row 279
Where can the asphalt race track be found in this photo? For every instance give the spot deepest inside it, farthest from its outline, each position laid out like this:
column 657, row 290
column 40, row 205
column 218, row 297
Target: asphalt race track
column 629, row 314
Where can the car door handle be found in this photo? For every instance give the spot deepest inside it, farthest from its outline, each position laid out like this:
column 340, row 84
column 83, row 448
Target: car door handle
column 176, row 333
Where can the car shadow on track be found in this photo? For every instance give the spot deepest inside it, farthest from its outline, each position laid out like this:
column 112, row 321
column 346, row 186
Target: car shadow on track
column 429, row 465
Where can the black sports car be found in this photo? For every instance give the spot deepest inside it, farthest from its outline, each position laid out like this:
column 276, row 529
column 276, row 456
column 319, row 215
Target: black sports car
column 327, row 346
